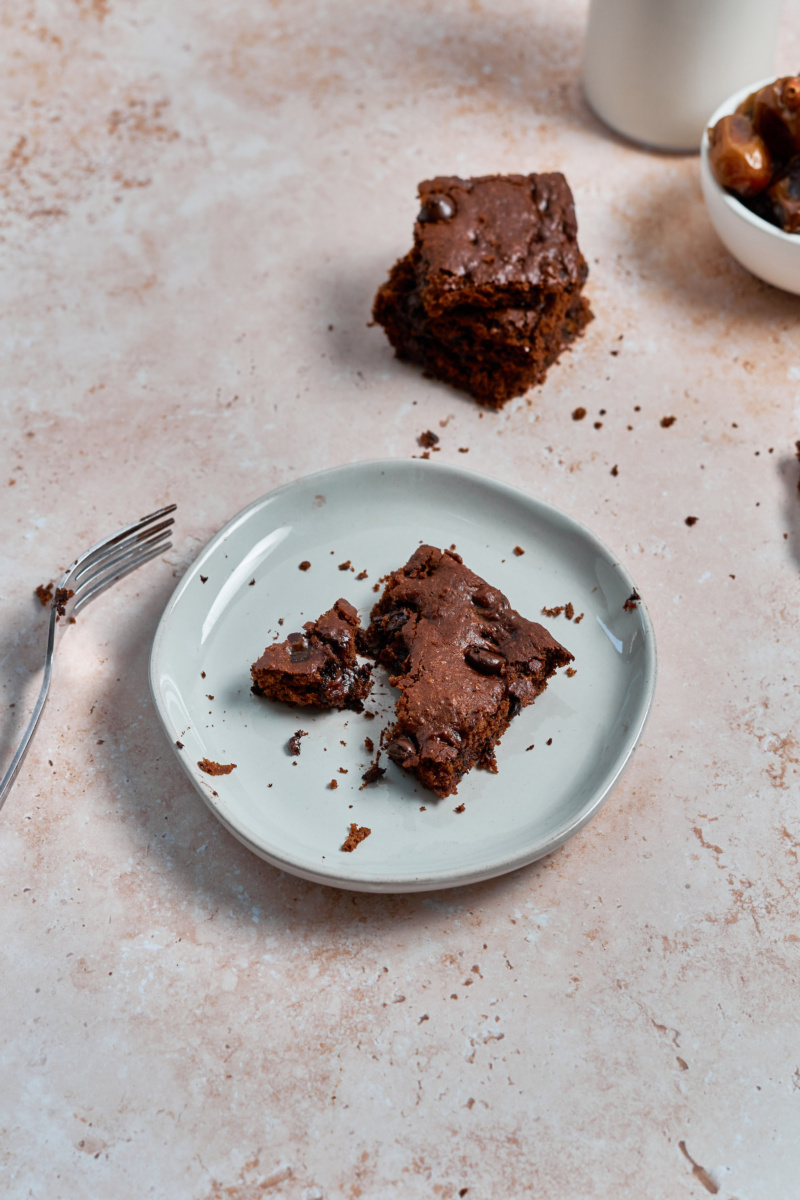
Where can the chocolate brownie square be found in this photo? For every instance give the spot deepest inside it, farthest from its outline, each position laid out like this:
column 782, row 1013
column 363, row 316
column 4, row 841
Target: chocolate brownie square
column 319, row 666
column 490, row 293
column 464, row 661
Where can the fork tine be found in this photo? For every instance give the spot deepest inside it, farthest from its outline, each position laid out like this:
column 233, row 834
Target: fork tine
column 102, row 567
column 117, row 551
column 127, row 532
column 122, row 540
column 124, row 569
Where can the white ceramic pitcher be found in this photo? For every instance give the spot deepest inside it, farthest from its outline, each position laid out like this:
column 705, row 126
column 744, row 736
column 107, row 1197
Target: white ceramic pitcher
column 655, row 69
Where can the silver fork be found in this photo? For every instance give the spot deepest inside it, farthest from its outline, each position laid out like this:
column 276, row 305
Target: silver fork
column 97, row 569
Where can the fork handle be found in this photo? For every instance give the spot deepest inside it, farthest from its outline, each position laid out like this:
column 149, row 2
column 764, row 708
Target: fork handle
column 27, row 737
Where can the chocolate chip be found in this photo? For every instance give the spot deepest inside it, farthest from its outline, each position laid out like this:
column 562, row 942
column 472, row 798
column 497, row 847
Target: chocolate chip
column 436, row 208
column 298, row 650
column 487, row 597
column 393, row 621
column 484, row 661
column 401, row 749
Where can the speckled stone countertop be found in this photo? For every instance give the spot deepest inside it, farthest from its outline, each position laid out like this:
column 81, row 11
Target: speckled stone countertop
column 197, row 203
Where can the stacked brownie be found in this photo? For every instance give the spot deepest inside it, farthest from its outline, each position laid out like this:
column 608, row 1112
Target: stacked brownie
column 490, row 293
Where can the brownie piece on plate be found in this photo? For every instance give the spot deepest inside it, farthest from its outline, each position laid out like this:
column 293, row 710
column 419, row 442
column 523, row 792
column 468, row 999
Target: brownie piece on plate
column 464, row 661
column 490, row 293
column 319, row 666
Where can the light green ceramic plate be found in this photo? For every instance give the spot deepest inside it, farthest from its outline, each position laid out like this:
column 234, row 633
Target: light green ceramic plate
column 375, row 514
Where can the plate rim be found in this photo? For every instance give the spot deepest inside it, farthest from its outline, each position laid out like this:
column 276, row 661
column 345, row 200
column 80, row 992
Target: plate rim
column 449, row 877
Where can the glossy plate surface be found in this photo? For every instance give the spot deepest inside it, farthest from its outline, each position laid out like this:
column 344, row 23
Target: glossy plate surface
column 374, row 515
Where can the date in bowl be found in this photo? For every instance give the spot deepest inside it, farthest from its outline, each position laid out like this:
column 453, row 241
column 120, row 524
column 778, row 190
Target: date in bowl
column 762, row 248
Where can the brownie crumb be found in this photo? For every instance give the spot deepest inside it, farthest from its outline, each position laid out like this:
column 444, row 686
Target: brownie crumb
column 531, row 747
column 355, row 837
column 215, row 768
column 691, row 521
column 343, row 771
column 598, row 424
column 578, row 413
column 372, row 774
column 333, row 785
column 579, row 618
column 304, row 565
column 615, row 470
column 463, row 449
column 667, row 421
column 44, row 593
column 208, row 697
column 571, row 671
column 549, row 742
column 632, row 601
column 428, row 439
column 204, row 579
column 60, row 598
column 459, row 808
column 553, row 612
column 361, row 575
column 179, row 745
column 345, row 566
column 369, row 715
column 569, row 611
column 293, row 745
column 369, row 745
column 252, row 583
column 202, row 674
column 519, row 551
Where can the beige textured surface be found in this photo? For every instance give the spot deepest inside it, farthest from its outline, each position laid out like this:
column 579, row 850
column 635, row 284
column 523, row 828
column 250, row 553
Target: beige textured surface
column 198, row 202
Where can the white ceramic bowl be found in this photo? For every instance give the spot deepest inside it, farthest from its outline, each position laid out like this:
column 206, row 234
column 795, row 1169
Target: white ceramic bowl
column 767, row 251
